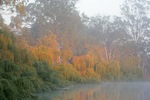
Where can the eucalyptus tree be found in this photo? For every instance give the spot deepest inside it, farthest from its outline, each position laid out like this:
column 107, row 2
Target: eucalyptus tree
column 56, row 16
column 135, row 14
column 14, row 13
column 136, row 18
column 110, row 33
column 11, row 6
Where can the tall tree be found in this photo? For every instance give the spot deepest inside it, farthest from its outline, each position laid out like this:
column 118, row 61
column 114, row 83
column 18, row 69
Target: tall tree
column 59, row 17
column 15, row 11
column 137, row 22
column 108, row 33
column 11, row 6
column 135, row 14
column 56, row 16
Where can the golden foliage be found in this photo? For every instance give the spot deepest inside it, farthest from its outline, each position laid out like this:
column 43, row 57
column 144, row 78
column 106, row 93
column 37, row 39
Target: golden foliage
column 67, row 54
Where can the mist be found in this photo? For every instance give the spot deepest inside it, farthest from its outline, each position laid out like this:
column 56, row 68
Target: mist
column 50, row 47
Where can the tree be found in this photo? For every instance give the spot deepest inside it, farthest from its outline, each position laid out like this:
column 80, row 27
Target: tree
column 110, row 34
column 1, row 21
column 135, row 14
column 13, row 5
column 60, row 17
column 15, row 10
column 137, row 22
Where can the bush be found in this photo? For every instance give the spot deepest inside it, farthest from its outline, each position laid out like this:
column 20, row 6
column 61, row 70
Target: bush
column 9, row 70
column 45, row 73
column 8, row 90
column 8, row 66
column 25, row 87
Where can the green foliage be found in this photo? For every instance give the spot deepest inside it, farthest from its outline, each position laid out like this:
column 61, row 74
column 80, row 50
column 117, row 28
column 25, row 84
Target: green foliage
column 8, row 66
column 50, row 78
column 24, row 87
column 8, row 90
column 44, row 71
column 9, row 70
column 18, row 78
column 28, row 71
column 69, row 72
column 21, row 56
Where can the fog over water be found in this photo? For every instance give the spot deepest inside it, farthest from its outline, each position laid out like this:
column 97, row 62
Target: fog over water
column 103, row 91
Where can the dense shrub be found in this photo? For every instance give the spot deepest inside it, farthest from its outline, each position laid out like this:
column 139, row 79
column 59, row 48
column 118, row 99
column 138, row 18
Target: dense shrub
column 8, row 90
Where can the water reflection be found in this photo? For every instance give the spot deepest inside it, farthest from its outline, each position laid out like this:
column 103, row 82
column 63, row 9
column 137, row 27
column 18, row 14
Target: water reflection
column 104, row 91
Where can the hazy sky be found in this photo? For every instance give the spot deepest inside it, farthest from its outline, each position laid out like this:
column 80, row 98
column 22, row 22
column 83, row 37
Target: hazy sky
column 94, row 7
column 90, row 8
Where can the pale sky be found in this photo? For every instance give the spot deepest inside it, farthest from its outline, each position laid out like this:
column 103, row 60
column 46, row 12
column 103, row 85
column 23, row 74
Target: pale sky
column 89, row 7
column 102, row 7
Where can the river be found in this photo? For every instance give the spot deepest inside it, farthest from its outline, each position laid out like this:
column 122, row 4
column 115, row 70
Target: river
column 102, row 91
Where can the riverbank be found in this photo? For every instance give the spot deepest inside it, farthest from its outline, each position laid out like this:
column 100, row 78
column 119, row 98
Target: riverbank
column 103, row 91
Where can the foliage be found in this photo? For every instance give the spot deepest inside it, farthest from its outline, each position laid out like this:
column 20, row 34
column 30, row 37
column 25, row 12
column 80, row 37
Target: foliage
column 130, row 67
column 69, row 72
column 62, row 48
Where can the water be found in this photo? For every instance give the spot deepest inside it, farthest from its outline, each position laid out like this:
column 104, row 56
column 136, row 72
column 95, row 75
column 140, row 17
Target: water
column 103, row 91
